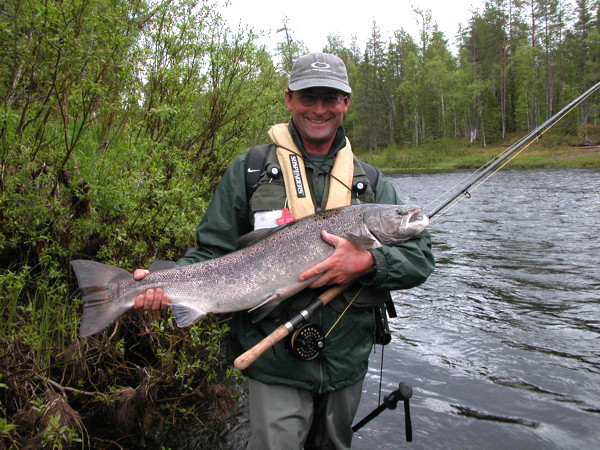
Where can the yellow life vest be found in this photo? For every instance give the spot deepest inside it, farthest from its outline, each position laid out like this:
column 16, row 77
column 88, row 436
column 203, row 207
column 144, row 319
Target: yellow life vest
column 300, row 201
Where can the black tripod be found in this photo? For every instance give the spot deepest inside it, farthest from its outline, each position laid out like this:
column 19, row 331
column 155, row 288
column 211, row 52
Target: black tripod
column 404, row 392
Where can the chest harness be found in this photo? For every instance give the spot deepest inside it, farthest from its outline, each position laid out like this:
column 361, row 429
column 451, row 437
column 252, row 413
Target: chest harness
column 276, row 177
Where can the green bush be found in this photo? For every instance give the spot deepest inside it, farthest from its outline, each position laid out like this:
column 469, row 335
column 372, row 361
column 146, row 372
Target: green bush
column 117, row 122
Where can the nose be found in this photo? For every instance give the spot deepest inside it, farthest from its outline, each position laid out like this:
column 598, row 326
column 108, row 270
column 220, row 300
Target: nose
column 319, row 107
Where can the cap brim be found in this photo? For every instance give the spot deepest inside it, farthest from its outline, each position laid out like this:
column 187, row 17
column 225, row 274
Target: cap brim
column 319, row 82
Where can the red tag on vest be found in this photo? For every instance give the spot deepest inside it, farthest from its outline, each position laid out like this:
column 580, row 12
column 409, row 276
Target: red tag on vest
column 285, row 217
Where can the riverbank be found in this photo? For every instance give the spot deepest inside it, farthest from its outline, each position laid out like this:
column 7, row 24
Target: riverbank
column 458, row 154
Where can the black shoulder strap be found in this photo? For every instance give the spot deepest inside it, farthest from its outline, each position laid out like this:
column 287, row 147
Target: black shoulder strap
column 371, row 172
column 254, row 165
column 255, row 162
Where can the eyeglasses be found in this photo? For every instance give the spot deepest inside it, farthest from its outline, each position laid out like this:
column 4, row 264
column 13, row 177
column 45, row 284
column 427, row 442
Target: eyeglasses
column 310, row 99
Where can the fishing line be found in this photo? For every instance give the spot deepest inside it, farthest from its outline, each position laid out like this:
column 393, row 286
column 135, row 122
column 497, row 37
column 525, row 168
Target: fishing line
column 380, row 375
column 468, row 191
column 344, row 312
column 382, row 347
column 501, row 160
column 464, row 181
column 306, row 340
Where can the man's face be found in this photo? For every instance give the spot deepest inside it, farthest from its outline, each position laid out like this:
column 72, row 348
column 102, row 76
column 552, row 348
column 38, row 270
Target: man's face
column 317, row 113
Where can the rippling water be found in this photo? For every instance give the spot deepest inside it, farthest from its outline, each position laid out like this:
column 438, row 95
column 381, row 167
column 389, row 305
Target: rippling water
column 502, row 343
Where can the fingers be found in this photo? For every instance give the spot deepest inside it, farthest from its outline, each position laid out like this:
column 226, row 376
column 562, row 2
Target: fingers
column 319, row 269
column 331, row 238
column 321, row 281
column 152, row 299
column 140, row 274
column 347, row 263
column 314, row 271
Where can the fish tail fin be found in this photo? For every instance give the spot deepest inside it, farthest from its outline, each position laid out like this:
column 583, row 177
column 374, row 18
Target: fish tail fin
column 100, row 307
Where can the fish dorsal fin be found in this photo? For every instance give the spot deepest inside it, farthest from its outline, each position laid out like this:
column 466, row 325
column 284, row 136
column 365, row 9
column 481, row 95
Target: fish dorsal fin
column 157, row 266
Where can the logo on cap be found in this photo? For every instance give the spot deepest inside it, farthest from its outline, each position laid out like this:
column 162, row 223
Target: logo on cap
column 320, row 65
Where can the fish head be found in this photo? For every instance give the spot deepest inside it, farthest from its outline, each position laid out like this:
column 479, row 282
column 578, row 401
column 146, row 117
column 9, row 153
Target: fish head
column 393, row 224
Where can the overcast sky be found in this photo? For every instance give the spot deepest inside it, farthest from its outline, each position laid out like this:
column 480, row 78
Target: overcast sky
column 312, row 20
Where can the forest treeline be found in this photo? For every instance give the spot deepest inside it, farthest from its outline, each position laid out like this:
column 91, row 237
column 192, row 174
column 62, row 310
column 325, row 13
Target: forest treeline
column 117, row 119
column 517, row 63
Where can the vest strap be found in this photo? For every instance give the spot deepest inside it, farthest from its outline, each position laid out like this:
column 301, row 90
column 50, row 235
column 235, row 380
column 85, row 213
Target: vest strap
column 340, row 182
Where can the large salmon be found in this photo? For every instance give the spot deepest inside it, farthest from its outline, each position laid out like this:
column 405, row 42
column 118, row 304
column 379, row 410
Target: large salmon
column 265, row 272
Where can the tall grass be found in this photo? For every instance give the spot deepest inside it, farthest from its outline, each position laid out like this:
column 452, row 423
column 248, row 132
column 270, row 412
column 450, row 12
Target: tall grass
column 554, row 150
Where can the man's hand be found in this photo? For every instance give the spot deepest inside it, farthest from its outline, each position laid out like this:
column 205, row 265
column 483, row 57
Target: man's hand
column 347, row 263
column 154, row 299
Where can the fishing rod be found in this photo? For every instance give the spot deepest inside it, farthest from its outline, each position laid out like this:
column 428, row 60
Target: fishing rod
column 495, row 165
column 404, row 392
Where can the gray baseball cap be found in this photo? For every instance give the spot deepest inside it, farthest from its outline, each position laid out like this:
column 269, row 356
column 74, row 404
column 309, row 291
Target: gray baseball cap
column 319, row 70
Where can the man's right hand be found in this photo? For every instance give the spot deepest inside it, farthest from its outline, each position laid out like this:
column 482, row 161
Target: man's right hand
column 153, row 299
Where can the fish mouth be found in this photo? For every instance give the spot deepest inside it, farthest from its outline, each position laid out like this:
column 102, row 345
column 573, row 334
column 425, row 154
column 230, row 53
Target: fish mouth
column 413, row 215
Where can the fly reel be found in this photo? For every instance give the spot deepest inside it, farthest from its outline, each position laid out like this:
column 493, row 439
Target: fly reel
column 306, row 342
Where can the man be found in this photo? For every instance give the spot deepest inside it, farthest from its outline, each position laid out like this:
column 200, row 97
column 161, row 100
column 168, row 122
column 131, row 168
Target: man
column 296, row 403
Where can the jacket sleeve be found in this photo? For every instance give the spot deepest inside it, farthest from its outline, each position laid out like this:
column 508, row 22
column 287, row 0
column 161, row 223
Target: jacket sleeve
column 225, row 219
column 403, row 266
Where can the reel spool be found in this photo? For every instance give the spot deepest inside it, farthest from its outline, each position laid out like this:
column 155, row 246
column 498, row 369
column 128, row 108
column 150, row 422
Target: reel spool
column 305, row 342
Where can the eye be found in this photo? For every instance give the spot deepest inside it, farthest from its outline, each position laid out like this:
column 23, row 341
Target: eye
column 308, row 99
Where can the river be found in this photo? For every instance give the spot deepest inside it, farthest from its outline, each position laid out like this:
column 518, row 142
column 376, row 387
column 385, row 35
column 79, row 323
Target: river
column 502, row 343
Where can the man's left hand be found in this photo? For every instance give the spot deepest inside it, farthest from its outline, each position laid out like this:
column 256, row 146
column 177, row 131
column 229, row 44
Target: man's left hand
column 347, row 263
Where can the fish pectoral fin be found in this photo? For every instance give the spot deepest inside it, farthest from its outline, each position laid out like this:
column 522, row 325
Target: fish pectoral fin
column 259, row 313
column 265, row 308
column 363, row 241
column 273, row 300
column 186, row 315
column 270, row 298
column 277, row 296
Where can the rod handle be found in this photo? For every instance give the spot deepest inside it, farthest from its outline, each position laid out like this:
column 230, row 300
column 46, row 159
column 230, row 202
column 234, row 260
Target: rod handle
column 245, row 359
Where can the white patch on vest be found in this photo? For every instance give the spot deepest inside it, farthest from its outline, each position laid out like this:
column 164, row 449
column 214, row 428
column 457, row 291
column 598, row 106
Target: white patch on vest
column 297, row 176
column 266, row 219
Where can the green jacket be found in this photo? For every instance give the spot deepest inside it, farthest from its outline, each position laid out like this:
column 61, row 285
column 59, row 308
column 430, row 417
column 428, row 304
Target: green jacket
column 344, row 359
